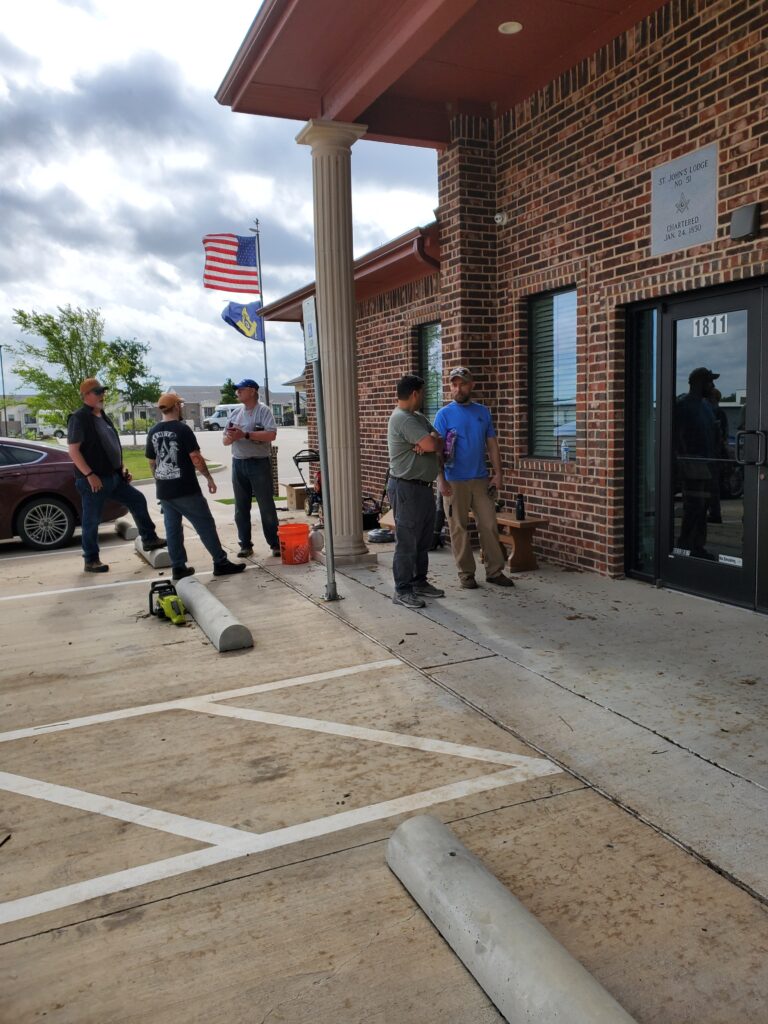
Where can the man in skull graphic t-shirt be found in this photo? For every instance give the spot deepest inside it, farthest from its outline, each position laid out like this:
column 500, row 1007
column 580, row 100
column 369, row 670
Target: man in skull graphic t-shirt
column 174, row 454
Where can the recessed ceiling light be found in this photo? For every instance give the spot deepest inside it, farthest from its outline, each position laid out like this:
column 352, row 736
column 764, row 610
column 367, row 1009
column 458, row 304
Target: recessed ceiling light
column 510, row 28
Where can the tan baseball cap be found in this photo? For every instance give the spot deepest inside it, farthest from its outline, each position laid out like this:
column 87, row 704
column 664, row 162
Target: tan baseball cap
column 89, row 384
column 168, row 401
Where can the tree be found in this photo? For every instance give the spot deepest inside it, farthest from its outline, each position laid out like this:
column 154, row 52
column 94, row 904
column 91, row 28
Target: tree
column 129, row 372
column 73, row 344
column 228, row 395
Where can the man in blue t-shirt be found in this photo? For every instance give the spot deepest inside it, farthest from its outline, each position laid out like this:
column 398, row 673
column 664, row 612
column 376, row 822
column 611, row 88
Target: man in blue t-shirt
column 467, row 429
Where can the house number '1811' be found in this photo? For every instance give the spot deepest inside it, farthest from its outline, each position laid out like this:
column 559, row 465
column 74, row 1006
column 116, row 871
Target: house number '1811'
column 704, row 326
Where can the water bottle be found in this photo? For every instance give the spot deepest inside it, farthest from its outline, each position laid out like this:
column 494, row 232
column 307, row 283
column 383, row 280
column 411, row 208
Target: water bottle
column 520, row 508
column 565, row 451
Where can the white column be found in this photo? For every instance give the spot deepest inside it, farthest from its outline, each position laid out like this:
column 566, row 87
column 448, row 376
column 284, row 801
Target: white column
column 331, row 143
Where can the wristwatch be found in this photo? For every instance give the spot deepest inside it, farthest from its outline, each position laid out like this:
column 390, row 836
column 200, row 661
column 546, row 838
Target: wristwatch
column 247, row 435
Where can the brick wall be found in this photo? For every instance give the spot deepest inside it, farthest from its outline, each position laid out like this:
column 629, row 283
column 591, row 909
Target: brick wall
column 572, row 169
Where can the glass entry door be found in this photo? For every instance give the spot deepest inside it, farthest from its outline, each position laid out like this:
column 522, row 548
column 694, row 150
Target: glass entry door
column 712, row 445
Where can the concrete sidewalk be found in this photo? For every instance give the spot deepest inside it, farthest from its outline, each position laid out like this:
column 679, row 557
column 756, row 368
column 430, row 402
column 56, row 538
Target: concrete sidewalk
column 194, row 836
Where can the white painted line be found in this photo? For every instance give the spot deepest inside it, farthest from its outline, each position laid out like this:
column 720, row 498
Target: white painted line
column 170, row 705
column 395, row 739
column 162, row 821
column 106, row 885
column 93, row 586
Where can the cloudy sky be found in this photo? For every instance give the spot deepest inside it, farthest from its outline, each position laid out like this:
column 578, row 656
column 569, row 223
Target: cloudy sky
column 116, row 160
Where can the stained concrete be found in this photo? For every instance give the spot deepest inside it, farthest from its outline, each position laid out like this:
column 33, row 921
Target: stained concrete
column 319, row 930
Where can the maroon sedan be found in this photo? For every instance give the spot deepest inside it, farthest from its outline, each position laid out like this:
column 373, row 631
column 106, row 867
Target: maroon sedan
column 38, row 498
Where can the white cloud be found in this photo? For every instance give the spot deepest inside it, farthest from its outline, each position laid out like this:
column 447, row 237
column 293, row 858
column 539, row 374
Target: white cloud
column 109, row 212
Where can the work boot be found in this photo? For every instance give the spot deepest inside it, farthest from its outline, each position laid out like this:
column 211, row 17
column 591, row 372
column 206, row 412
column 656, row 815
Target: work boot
column 470, row 583
column 95, row 566
column 408, row 600
column 500, row 581
column 427, row 590
column 154, row 544
column 185, row 570
column 245, row 551
column 227, row 568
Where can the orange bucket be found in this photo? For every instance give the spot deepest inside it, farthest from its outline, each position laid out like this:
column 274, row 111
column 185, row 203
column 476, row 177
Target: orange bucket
column 294, row 543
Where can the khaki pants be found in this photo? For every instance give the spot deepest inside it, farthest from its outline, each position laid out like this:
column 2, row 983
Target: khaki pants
column 472, row 496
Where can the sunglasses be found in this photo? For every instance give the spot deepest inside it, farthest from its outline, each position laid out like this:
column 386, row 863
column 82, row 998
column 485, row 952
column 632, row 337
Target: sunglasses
column 98, row 391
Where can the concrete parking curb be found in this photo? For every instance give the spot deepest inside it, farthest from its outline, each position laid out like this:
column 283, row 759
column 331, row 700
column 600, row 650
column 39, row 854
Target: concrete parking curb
column 158, row 559
column 526, row 973
column 126, row 529
column 214, row 618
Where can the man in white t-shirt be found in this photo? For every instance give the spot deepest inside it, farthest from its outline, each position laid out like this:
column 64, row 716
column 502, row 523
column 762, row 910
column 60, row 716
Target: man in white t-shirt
column 251, row 431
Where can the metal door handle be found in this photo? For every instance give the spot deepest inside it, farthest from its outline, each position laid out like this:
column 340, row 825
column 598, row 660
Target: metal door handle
column 762, row 447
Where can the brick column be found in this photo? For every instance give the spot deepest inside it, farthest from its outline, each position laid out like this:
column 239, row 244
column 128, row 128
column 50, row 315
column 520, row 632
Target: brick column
column 331, row 144
column 468, row 256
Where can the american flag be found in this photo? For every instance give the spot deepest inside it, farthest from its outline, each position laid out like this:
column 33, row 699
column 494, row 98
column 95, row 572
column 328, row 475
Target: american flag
column 230, row 263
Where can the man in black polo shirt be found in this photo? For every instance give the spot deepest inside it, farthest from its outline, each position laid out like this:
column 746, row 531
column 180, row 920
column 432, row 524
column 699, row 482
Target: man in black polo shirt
column 174, row 455
column 95, row 449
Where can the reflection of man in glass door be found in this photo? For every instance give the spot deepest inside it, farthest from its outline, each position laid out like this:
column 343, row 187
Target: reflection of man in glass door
column 695, row 439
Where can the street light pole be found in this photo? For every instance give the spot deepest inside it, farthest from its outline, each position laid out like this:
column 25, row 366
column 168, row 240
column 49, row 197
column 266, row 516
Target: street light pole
column 2, row 379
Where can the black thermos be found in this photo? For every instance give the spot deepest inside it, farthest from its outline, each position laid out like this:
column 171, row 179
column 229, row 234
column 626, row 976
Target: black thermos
column 520, row 507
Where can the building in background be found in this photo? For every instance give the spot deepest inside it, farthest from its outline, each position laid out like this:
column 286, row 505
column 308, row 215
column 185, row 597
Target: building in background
column 602, row 234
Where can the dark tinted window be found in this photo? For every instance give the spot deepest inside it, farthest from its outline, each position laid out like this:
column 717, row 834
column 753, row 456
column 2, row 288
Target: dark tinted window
column 26, row 454
column 5, row 458
column 431, row 368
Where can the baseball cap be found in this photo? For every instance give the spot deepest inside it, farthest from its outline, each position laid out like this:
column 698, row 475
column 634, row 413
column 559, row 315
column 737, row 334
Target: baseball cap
column 702, row 371
column 462, row 372
column 247, row 382
column 91, row 384
column 169, row 400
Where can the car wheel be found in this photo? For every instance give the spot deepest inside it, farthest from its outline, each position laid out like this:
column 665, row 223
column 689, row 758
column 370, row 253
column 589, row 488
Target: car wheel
column 46, row 523
column 58, row 433
column 215, row 426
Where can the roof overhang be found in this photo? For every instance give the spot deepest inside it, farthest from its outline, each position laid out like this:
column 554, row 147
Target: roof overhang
column 405, row 259
column 404, row 69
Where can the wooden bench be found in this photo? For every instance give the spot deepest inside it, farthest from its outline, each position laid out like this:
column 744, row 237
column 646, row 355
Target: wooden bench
column 516, row 536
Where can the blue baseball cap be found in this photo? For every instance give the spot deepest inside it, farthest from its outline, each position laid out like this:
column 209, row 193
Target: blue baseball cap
column 247, row 383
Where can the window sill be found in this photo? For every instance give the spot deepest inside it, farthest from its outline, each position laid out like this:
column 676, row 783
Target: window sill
column 547, row 465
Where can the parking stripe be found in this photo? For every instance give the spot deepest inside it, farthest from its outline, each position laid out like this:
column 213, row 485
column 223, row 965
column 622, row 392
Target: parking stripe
column 162, row 821
column 357, row 732
column 170, row 705
column 106, row 885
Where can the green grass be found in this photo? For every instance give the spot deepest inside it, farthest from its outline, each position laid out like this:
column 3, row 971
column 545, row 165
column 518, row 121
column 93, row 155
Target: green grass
column 137, row 464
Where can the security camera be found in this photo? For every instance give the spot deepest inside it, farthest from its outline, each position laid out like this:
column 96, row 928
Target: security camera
column 500, row 218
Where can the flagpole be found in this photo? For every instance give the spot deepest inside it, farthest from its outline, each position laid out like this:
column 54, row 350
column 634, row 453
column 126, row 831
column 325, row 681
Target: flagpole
column 261, row 290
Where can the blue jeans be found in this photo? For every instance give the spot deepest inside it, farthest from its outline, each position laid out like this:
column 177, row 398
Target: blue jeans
column 115, row 488
column 413, row 506
column 252, row 478
column 195, row 508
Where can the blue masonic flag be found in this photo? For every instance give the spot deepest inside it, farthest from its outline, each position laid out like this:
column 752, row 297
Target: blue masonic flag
column 245, row 318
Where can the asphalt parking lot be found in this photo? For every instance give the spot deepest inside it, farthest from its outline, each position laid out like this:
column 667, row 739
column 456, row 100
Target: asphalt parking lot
column 194, row 836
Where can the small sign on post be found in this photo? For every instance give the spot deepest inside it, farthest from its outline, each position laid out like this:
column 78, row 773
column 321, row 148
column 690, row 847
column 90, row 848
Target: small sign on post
column 684, row 201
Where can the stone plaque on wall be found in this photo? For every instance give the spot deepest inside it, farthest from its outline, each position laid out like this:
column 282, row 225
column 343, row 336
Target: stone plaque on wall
column 684, row 201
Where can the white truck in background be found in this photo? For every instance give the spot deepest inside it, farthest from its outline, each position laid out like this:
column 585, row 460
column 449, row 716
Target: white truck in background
column 220, row 416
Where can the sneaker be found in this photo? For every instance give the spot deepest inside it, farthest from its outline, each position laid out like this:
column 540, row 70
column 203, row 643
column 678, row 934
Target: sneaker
column 408, row 600
column 427, row 590
column 245, row 551
column 185, row 570
column 470, row 583
column 276, row 552
column 95, row 566
column 154, row 544
column 227, row 568
column 500, row 581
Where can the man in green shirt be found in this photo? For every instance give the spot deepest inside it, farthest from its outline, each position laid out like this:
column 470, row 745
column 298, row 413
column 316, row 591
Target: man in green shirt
column 414, row 446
